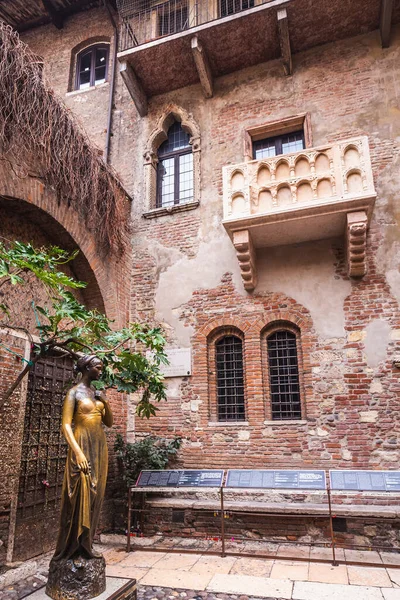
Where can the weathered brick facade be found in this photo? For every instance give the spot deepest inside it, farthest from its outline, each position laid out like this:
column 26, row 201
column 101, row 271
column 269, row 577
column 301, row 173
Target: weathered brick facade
column 184, row 271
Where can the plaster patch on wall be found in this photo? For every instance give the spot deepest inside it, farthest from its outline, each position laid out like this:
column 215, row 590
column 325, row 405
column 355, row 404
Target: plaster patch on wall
column 184, row 276
column 376, row 341
column 306, row 273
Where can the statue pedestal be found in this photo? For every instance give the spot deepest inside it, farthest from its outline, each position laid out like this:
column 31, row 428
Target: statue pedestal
column 76, row 578
column 117, row 588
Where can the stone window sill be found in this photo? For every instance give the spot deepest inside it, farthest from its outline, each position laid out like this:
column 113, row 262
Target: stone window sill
column 160, row 212
column 89, row 89
column 289, row 422
column 228, row 424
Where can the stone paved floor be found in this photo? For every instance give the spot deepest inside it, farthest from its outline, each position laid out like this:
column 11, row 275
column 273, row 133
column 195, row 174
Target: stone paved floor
column 183, row 576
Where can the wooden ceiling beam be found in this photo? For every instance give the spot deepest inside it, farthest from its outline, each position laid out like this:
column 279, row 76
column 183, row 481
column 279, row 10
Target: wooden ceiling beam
column 284, row 40
column 56, row 17
column 202, row 66
column 134, row 87
column 386, row 22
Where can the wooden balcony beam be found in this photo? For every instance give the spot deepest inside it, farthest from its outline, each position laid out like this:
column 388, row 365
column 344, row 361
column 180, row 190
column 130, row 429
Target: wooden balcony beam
column 134, row 88
column 284, row 40
column 202, row 66
column 386, row 22
column 56, row 17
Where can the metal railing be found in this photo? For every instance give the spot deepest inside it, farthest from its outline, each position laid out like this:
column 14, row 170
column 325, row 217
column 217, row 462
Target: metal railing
column 145, row 20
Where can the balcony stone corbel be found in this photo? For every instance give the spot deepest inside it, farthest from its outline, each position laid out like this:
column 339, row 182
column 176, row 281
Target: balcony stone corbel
column 246, row 257
column 357, row 223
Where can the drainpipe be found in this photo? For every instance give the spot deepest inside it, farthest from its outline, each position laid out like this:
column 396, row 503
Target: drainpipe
column 112, row 83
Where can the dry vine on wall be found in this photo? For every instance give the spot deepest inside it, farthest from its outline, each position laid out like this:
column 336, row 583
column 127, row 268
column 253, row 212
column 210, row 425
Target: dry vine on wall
column 38, row 133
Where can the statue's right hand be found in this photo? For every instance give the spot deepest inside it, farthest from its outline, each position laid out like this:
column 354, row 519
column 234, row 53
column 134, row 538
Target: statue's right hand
column 82, row 463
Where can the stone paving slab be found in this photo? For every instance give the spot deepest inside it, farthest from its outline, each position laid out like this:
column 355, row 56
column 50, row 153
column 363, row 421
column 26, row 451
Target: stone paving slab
column 391, row 594
column 325, row 573
column 251, row 586
column 181, row 562
column 176, row 579
column 132, row 572
column 305, row 590
column 369, row 576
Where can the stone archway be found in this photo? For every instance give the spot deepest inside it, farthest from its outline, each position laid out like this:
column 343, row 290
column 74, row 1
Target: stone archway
column 30, row 197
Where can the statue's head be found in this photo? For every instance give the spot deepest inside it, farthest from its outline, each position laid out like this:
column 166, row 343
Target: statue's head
column 91, row 365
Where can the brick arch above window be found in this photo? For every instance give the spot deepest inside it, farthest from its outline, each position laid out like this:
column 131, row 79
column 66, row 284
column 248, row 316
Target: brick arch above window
column 99, row 40
column 159, row 135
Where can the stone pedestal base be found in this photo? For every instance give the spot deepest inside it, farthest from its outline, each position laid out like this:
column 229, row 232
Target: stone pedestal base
column 76, row 579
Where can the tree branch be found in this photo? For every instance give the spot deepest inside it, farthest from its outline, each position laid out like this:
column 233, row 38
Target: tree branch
column 20, row 377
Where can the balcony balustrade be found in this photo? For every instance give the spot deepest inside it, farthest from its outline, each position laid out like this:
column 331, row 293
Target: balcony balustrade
column 167, row 45
column 313, row 194
column 147, row 20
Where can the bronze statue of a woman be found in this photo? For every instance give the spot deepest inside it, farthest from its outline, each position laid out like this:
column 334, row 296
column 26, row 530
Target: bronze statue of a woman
column 75, row 561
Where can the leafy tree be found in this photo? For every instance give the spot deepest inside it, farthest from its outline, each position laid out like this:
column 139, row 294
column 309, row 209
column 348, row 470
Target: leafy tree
column 147, row 454
column 132, row 356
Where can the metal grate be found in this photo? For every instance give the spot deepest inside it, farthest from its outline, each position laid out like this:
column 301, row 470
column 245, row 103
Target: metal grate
column 230, row 382
column 231, row 7
column 172, row 21
column 284, row 376
column 44, row 449
column 175, row 168
column 145, row 20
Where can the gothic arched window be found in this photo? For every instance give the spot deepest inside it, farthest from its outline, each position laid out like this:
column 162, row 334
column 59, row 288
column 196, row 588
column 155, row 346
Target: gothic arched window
column 175, row 184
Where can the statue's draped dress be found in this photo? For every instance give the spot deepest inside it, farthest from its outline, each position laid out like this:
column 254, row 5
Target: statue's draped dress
column 82, row 495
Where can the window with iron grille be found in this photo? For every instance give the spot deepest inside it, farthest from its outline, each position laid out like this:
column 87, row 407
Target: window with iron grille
column 230, row 7
column 172, row 18
column 284, row 376
column 280, row 144
column 175, row 168
column 230, row 379
column 92, row 66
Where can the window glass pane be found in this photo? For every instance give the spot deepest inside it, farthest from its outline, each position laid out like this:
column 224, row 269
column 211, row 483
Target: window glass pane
column 100, row 74
column 230, row 382
column 166, row 174
column 100, row 65
column 284, row 376
column 101, row 57
column 84, row 70
column 186, row 177
column 292, row 143
column 177, row 140
column 264, row 148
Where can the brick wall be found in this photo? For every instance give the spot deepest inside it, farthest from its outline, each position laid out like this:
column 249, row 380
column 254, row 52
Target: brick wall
column 185, row 272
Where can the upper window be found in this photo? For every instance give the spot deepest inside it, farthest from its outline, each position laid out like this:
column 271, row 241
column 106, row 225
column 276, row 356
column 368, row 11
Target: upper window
column 230, row 379
column 280, row 144
column 92, row 66
column 172, row 19
column 230, row 7
column 284, row 376
column 175, row 168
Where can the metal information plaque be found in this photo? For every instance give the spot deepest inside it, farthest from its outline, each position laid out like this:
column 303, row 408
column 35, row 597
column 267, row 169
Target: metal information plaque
column 297, row 480
column 181, row 478
column 365, row 481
